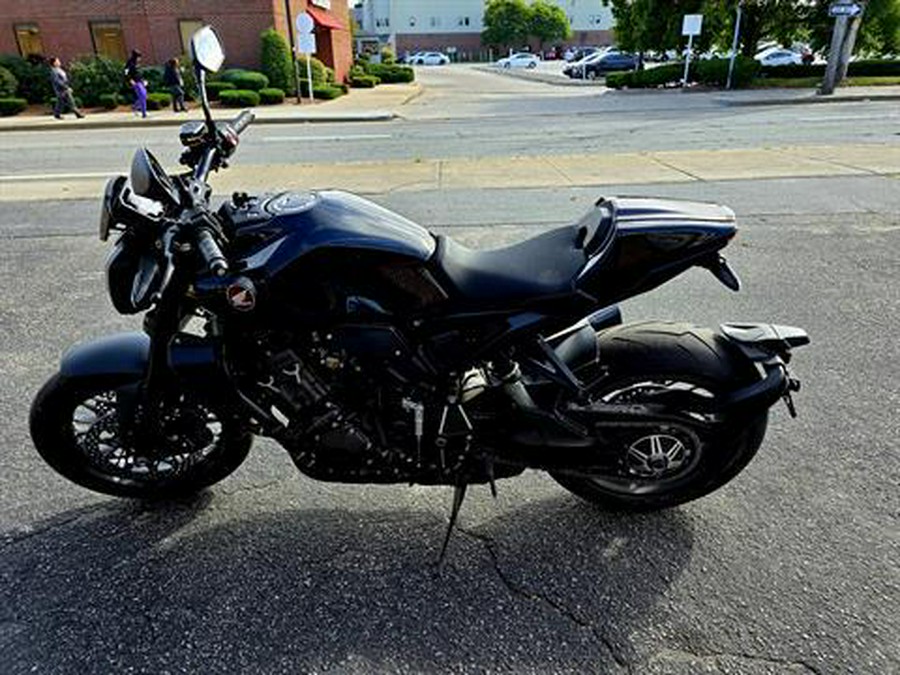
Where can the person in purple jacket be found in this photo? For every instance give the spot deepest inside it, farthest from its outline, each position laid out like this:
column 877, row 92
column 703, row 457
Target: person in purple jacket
column 137, row 82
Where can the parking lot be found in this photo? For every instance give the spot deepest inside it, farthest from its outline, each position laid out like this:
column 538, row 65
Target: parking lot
column 791, row 568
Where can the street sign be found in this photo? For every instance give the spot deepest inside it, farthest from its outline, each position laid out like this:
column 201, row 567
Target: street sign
column 306, row 43
column 692, row 24
column 305, row 23
column 850, row 9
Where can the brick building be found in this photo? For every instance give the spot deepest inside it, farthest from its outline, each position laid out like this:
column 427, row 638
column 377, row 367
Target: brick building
column 160, row 29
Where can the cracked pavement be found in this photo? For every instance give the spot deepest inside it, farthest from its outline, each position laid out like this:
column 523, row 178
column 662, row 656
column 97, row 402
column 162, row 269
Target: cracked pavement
column 791, row 568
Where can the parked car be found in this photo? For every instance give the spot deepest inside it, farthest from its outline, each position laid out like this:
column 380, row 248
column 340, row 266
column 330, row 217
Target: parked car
column 520, row 60
column 779, row 57
column 579, row 53
column 430, row 59
column 600, row 64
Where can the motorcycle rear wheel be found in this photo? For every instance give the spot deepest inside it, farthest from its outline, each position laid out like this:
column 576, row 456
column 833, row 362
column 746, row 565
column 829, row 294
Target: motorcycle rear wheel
column 75, row 425
column 672, row 463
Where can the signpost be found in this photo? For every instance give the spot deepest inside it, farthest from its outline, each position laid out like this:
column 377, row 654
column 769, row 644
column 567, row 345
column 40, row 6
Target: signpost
column 734, row 43
column 847, row 15
column 306, row 45
column 691, row 26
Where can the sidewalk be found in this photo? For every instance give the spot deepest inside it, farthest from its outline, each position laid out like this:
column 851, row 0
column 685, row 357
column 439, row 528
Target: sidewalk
column 761, row 97
column 360, row 105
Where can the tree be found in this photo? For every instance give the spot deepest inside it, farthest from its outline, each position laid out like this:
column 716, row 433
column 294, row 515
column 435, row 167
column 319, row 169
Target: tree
column 643, row 25
column 879, row 32
column 548, row 22
column 505, row 22
column 781, row 20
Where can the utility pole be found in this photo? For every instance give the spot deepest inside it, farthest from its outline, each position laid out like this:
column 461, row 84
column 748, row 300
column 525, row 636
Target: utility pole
column 290, row 23
column 734, row 43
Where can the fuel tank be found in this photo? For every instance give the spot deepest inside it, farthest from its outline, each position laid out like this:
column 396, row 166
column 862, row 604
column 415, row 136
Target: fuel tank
column 656, row 239
column 317, row 250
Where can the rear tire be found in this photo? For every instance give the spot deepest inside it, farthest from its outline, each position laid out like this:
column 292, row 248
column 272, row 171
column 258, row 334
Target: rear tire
column 75, row 428
column 671, row 464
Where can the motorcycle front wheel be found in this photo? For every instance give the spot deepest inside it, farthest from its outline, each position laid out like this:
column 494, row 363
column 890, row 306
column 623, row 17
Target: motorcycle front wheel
column 79, row 427
column 672, row 462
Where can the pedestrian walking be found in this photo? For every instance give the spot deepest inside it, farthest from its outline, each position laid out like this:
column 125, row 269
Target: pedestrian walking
column 65, row 101
column 174, row 80
column 137, row 82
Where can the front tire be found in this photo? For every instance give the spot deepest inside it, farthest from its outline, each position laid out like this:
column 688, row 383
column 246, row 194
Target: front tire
column 75, row 425
column 671, row 463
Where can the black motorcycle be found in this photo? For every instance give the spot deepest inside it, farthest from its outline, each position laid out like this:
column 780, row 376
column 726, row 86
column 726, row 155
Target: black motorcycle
column 376, row 352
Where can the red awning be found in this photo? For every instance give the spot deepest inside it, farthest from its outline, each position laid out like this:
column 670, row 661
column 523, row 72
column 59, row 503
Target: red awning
column 324, row 19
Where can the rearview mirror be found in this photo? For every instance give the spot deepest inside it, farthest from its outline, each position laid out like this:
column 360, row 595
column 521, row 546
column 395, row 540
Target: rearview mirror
column 206, row 49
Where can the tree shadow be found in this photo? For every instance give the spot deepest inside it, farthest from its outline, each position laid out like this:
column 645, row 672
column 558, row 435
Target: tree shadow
column 552, row 586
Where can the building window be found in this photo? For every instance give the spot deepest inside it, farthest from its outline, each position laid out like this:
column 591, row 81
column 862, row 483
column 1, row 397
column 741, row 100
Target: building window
column 108, row 39
column 463, row 21
column 28, row 37
column 435, row 21
column 186, row 28
column 412, row 21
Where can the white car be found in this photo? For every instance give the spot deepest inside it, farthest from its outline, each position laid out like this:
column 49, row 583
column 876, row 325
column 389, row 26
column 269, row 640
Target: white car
column 521, row 60
column 779, row 57
column 430, row 59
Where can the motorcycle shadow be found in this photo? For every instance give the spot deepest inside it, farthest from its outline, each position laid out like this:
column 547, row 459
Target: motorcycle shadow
column 553, row 586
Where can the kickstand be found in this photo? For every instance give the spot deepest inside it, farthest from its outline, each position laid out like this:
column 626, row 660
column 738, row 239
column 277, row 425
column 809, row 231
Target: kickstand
column 459, row 494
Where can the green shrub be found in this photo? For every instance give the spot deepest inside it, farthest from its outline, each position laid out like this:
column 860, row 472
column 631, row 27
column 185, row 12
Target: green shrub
column 8, row 83
column 215, row 88
column 246, row 80
column 388, row 57
column 93, row 76
column 364, row 81
column 158, row 100
column 271, row 96
column 239, row 98
column 276, row 61
column 319, row 73
column 619, row 80
column 33, row 77
column 327, row 92
column 110, row 101
column 791, row 71
column 874, row 68
column 391, row 74
column 12, row 106
column 714, row 72
column 154, row 76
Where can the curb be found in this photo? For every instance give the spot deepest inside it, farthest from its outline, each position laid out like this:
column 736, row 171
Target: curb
column 131, row 123
column 861, row 98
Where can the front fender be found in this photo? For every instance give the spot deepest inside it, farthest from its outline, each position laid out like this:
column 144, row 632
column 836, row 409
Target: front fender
column 119, row 354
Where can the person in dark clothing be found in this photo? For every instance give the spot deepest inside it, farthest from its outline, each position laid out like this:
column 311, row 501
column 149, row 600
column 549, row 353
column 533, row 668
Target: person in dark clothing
column 175, row 82
column 137, row 82
column 64, row 99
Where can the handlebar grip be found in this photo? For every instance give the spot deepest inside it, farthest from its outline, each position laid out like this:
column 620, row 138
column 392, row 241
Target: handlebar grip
column 242, row 121
column 212, row 254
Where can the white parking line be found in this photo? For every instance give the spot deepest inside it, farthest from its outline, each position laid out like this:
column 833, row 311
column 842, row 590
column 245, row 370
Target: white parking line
column 348, row 137
column 11, row 178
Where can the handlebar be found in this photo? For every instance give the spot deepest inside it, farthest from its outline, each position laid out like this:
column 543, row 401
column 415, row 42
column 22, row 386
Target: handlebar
column 242, row 121
column 211, row 253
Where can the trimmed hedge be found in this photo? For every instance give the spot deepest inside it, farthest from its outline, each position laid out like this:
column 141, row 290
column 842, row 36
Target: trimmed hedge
column 158, row 100
column 275, row 60
column 271, row 96
column 110, row 101
column 870, row 68
column 246, row 79
column 661, row 76
column 12, row 106
column 391, row 74
column 714, row 72
column 319, row 70
column 326, row 92
column 364, row 81
column 215, row 88
column 239, row 98
column 33, row 77
column 94, row 76
column 8, row 83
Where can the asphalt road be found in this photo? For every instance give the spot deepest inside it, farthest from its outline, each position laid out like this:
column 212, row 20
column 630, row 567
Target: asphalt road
column 791, row 568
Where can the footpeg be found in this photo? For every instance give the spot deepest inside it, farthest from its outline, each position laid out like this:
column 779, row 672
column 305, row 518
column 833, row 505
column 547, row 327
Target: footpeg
column 793, row 385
